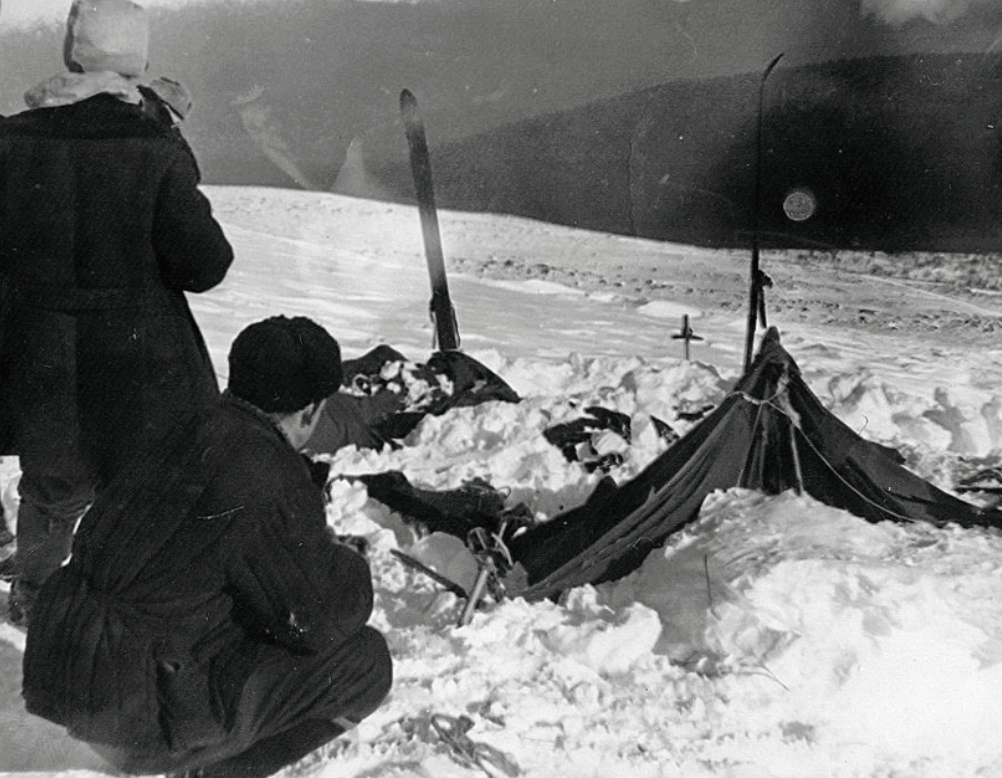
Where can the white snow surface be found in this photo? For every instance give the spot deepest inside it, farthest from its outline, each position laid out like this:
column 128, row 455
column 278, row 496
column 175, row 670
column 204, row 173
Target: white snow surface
column 774, row 637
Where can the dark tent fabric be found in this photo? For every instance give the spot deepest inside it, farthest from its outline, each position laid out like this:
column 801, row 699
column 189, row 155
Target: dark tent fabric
column 771, row 433
column 456, row 511
column 575, row 438
column 379, row 416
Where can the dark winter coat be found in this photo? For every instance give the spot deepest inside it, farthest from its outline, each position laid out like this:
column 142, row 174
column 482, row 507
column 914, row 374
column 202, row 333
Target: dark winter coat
column 182, row 572
column 102, row 230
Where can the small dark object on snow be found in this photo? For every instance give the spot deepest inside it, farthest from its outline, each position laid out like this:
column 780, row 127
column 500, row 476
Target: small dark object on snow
column 452, row 731
column 988, row 480
column 570, row 437
column 664, row 430
column 695, row 415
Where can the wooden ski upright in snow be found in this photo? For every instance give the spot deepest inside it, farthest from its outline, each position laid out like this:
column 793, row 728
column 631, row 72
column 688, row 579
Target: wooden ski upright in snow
column 442, row 313
column 758, row 280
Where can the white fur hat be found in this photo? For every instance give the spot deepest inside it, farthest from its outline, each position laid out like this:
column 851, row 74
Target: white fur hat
column 109, row 35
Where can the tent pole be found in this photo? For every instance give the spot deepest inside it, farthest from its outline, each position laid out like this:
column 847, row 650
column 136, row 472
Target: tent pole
column 755, row 302
column 796, row 458
column 786, row 407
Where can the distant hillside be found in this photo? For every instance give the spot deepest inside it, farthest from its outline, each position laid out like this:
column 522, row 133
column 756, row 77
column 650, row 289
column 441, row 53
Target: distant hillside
column 899, row 153
column 636, row 117
column 304, row 78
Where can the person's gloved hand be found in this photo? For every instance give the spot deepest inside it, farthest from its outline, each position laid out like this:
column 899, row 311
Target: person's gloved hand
column 357, row 542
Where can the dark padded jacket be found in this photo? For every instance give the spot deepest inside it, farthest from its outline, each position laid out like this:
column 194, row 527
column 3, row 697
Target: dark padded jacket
column 102, row 231
column 184, row 570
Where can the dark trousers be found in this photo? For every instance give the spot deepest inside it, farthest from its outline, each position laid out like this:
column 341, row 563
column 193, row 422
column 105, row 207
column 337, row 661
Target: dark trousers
column 84, row 395
column 290, row 706
column 57, row 480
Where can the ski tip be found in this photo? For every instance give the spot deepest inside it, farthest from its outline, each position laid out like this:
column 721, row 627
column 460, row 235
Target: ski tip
column 407, row 97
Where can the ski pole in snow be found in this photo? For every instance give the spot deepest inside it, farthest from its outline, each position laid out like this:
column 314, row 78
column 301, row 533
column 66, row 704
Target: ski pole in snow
column 686, row 334
column 758, row 280
column 443, row 315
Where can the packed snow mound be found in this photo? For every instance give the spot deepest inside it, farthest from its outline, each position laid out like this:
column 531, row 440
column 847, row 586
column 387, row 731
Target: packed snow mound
column 887, row 623
column 966, row 425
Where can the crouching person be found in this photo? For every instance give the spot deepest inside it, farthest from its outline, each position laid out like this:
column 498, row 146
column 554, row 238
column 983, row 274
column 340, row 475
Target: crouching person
column 208, row 620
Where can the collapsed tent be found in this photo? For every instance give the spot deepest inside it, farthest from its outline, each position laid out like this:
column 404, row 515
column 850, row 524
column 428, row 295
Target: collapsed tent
column 771, row 433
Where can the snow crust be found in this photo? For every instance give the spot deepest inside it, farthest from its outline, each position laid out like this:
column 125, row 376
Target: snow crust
column 774, row 637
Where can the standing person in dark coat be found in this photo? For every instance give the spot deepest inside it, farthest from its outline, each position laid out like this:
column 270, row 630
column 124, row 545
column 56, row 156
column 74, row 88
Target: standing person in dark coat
column 103, row 231
column 208, row 619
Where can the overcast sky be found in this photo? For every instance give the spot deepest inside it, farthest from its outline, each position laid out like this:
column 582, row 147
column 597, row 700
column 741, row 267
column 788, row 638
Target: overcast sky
column 20, row 12
column 893, row 12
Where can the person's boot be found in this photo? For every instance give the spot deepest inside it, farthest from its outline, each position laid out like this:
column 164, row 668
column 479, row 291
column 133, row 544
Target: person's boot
column 269, row 756
column 20, row 602
column 44, row 539
column 43, row 543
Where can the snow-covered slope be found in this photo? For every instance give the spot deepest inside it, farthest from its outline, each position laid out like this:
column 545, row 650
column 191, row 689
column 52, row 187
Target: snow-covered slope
column 776, row 637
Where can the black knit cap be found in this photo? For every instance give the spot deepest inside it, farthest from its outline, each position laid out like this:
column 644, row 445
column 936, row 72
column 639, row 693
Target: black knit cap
column 283, row 364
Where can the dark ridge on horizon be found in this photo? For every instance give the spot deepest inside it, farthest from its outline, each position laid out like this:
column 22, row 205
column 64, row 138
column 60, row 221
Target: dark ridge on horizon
column 901, row 154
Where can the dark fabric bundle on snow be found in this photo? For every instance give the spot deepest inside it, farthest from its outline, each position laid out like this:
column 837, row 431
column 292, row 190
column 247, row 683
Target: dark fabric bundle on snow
column 476, row 504
column 380, row 409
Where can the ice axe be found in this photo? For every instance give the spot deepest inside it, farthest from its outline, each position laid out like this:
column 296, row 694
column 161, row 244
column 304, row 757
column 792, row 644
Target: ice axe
column 484, row 548
column 494, row 560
